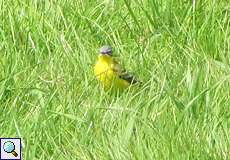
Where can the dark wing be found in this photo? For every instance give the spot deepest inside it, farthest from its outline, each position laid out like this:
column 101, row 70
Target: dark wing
column 128, row 77
column 122, row 73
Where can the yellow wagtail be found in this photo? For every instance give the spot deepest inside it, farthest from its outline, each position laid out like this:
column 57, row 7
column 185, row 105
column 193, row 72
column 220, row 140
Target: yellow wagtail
column 109, row 72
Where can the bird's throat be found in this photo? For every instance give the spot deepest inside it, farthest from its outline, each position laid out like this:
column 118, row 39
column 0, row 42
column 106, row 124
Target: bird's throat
column 105, row 58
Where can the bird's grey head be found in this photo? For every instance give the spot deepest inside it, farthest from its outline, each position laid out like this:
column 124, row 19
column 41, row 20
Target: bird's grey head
column 107, row 50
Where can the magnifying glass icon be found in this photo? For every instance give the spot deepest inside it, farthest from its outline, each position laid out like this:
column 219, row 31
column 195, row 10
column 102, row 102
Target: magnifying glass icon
column 9, row 147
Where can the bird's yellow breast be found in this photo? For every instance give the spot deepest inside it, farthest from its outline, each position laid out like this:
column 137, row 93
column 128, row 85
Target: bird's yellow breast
column 105, row 74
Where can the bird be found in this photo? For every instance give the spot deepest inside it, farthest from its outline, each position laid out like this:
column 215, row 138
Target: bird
column 110, row 73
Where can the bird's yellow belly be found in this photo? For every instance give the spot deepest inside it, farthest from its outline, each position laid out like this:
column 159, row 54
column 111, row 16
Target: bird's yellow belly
column 108, row 77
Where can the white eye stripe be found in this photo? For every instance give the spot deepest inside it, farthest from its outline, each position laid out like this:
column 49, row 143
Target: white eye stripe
column 105, row 49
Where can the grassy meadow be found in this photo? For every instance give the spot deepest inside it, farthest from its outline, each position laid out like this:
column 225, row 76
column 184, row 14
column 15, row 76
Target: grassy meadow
column 49, row 97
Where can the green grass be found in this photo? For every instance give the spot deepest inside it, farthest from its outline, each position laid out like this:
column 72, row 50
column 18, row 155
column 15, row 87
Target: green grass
column 50, row 98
